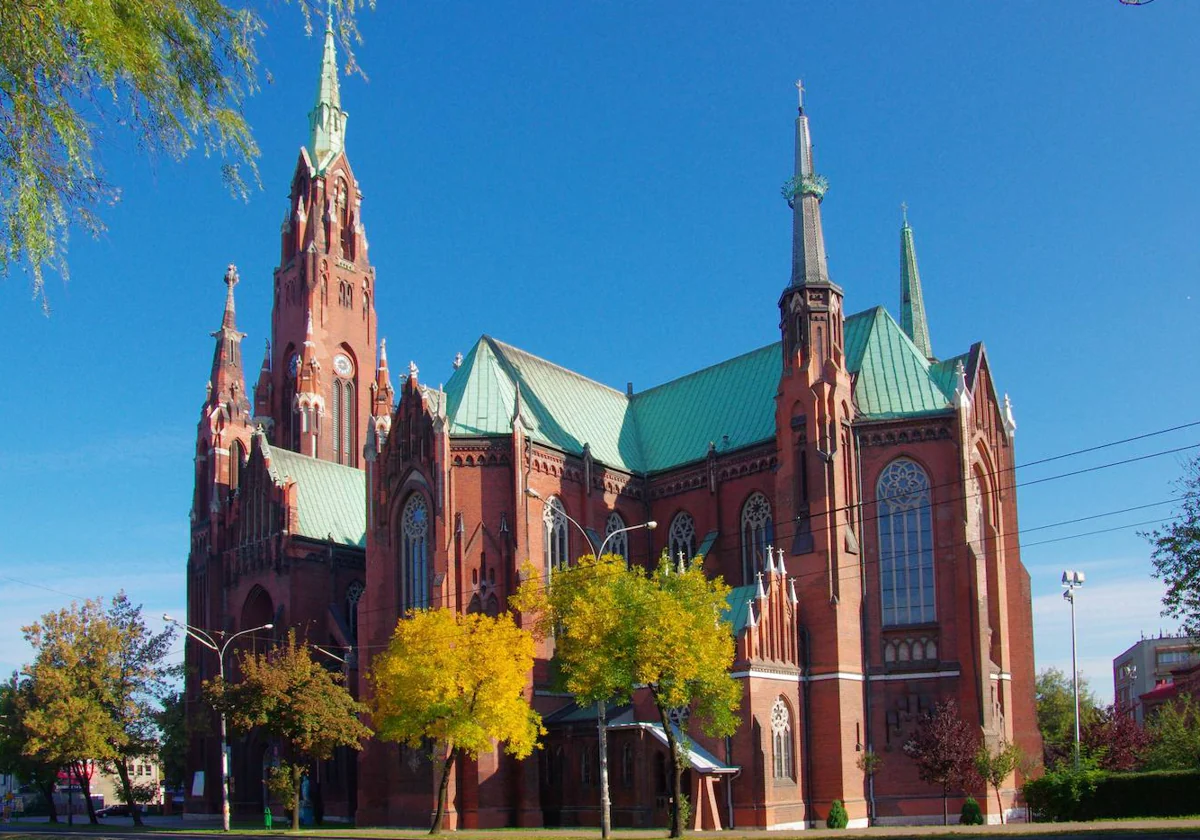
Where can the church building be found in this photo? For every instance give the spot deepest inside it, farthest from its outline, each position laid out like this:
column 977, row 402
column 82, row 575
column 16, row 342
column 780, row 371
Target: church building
column 852, row 486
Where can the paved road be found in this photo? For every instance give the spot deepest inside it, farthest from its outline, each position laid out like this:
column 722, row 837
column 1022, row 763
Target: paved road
column 121, row 828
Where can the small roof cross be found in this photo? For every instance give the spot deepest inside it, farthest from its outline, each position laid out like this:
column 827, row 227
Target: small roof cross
column 800, row 93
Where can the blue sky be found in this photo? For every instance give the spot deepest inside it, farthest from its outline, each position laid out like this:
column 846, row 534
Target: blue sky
column 599, row 184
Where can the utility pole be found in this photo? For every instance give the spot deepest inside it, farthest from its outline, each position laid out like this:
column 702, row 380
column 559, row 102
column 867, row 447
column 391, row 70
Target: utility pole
column 1073, row 580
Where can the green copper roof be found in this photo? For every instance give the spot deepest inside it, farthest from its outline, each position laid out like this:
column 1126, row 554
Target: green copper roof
column 892, row 375
column 735, row 398
column 912, row 301
column 332, row 497
column 738, row 613
column 730, row 404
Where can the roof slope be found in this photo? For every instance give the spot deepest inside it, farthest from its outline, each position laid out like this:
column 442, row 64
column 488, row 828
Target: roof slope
column 730, row 404
column 332, row 497
column 893, row 376
column 735, row 398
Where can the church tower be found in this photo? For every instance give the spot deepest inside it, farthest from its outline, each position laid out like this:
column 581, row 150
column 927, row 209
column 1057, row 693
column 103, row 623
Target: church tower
column 314, row 390
column 815, row 487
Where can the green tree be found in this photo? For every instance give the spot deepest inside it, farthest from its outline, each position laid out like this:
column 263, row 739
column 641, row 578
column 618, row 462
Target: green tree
column 30, row 766
column 1174, row 736
column 996, row 763
column 293, row 697
column 685, row 649
column 1176, row 555
column 175, row 73
column 141, row 681
column 73, row 683
column 460, row 682
column 1056, row 713
column 943, row 748
column 172, row 746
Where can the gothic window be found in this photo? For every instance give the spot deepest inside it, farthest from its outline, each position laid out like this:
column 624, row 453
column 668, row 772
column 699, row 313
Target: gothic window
column 554, row 520
column 237, row 457
column 414, row 554
column 618, row 544
column 338, row 421
column 781, row 740
column 757, row 535
column 627, row 766
column 585, row 765
column 682, row 537
column 353, row 593
column 905, row 544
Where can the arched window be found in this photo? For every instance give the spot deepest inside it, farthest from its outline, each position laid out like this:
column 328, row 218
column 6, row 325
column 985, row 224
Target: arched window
column 353, row 593
column 627, row 765
column 414, row 554
column 682, row 537
column 554, row 519
column 905, row 544
column 757, row 534
column 781, row 740
column 618, row 544
column 237, row 458
column 345, row 411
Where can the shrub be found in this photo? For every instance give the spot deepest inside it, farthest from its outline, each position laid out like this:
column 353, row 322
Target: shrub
column 1090, row 794
column 971, row 813
column 1060, row 795
column 837, row 815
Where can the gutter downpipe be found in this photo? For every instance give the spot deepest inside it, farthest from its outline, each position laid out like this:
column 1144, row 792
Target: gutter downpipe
column 862, row 614
column 806, row 669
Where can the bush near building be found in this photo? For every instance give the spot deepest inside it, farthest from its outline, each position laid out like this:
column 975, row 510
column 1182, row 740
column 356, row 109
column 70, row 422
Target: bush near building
column 1090, row 794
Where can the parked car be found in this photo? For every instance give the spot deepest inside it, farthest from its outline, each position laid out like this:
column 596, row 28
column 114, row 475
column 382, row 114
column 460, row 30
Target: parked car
column 118, row 810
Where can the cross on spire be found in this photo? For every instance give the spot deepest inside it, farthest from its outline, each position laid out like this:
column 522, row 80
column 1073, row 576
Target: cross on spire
column 800, row 93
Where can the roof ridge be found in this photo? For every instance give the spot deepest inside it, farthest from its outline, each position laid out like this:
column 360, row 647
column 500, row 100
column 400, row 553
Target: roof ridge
column 506, row 346
column 706, row 368
column 291, row 453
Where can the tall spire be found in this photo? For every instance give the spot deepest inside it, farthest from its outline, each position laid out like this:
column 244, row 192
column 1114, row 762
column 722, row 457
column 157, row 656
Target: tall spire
column 912, row 302
column 327, row 120
column 226, row 385
column 804, row 192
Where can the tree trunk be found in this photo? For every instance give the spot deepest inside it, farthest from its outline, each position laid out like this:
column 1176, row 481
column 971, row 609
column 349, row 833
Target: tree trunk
column 440, row 814
column 676, row 771
column 945, row 806
column 297, row 777
column 1000, row 805
column 47, row 789
column 85, row 787
column 127, row 789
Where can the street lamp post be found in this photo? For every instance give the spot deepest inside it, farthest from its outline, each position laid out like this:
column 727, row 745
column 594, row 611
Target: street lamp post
column 601, row 711
column 205, row 638
column 1073, row 580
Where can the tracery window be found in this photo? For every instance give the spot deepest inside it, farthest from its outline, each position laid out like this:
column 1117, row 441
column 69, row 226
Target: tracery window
column 618, row 544
column 353, row 593
column 682, row 537
column 557, row 548
column 781, row 740
column 905, row 544
column 414, row 554
column 757, row 534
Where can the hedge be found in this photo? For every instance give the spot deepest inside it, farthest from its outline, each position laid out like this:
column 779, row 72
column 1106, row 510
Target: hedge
column 1093, row 794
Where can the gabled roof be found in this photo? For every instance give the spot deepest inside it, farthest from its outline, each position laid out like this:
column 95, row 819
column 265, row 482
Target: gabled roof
column 332, row 498
column 893, row 376
column 730, row 404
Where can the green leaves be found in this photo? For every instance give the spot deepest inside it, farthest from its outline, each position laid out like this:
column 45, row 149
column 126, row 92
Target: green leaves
column 1176, row 555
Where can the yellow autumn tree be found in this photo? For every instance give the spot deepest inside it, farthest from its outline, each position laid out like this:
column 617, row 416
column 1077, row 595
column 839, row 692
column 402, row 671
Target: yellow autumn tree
column 684, row 654
column 458, row 681
column 616, row 628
